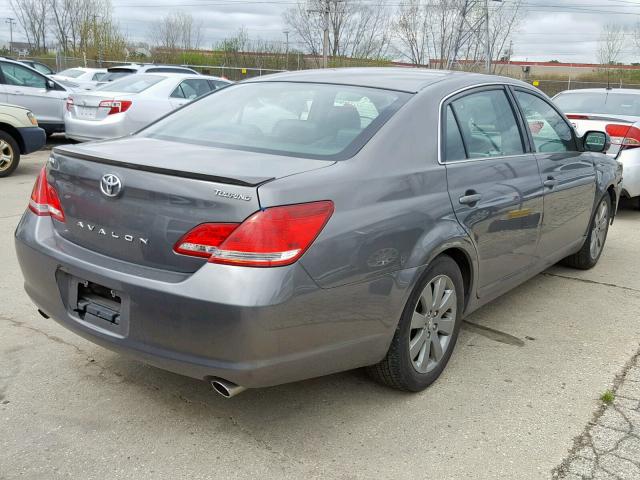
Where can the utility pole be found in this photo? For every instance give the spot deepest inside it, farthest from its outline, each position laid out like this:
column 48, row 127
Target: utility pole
column 286, row 50
column 11, row 22
column 325, row 40
column 487, row 38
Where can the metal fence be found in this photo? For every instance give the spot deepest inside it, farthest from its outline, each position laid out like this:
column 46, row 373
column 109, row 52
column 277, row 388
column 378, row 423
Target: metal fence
column 553, row 87
column 232, row 73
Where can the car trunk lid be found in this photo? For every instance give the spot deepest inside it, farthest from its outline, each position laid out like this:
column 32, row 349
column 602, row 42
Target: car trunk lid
column 165, row 192
column 86, row 106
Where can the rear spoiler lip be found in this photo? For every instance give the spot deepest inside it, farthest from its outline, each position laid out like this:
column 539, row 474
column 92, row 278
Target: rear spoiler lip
column 161, row 171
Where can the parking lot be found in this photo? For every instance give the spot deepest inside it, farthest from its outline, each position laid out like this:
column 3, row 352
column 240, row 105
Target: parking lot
column 524, row 381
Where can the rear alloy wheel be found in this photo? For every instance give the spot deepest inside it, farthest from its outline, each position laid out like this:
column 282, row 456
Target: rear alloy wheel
column 593, row 246
column 427, row 332
column 9, row 154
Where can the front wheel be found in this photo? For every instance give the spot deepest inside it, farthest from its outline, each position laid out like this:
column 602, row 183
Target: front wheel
column 593, row 246
column 427, row 332
column 9, row 154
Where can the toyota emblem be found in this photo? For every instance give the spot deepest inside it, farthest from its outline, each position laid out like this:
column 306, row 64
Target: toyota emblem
column 110, row 185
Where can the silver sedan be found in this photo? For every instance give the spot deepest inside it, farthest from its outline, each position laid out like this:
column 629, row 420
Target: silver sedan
column 126, row 105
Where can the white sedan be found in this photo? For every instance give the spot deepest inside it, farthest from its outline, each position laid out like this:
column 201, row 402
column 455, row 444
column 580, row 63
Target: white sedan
column 131, row 103
column 84, row 78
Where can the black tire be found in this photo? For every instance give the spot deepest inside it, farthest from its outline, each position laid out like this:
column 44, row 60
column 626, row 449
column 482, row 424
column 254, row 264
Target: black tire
column 584, row 259
column 9, row 147
column 397, row 369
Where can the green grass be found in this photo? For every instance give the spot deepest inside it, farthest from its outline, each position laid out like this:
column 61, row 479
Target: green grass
column 607, row 397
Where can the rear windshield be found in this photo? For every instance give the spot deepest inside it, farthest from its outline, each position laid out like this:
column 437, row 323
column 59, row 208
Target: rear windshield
column 610, row 102
column 297, row 119
column 71, row 73
column 132, row 84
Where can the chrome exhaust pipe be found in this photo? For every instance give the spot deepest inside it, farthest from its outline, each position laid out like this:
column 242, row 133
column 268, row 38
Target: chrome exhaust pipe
column 225, row 388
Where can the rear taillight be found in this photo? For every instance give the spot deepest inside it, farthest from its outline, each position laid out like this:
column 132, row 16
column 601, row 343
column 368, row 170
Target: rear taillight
column 44, row 198
column 272, row 237
column 627, row 136
column 69, row 104
column 115, row 106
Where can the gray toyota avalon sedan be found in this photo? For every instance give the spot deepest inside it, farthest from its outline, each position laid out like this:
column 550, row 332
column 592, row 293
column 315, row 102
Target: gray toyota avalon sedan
column 306, row 223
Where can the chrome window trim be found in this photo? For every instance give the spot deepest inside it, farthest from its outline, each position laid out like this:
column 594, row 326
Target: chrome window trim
column 453, row 94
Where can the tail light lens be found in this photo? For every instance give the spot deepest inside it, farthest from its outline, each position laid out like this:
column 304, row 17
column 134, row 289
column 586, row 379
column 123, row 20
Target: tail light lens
column 574, row 116
column 44, row 198
column 69, row 104
column 627, row 136
column 269, row 238
column 115, row 106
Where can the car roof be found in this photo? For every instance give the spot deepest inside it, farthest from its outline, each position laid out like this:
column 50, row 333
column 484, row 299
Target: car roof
column 405, row 79
column 632, row 91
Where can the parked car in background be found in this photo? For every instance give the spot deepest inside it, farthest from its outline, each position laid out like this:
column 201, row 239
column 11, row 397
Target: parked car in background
column 84, row 78
column 305, row 223
column 40, row 67
column 616, row 111
column 19, row 134
column 114, row 73
column 126, row 105
column 24, row 86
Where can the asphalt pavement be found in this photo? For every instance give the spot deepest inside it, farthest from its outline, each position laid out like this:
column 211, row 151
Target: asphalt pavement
column 520, row 398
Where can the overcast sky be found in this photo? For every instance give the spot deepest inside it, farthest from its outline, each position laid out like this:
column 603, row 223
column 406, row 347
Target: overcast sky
column 566, row 30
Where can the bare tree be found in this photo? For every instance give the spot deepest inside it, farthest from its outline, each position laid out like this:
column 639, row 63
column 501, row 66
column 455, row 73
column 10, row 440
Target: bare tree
column 176, row 31
column 611, row 44
column 32, row 17
column 356, row 29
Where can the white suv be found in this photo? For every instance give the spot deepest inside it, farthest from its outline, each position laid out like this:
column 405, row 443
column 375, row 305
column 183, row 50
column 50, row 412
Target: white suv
column 19, row 134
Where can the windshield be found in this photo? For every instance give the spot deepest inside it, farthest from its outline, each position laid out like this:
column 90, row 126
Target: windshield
column 297, row 119
column 71, row 73
column 610, row 102
column 131, row 84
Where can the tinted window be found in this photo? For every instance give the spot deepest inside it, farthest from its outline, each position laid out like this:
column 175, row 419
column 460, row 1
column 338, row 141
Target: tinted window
column 71, row 73
column 488, row 124
column 454, row 146
column 607, row 102
column 112, row 75
column 98, row 76
column 132, row 84
column 549, row 130
column 22, row 76
column 192, row 88
column 298, row 119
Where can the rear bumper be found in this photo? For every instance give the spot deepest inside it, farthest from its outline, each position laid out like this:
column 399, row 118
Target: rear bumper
column 87, row 130
column 33, row 139
column 630, row 160
column 255, row 327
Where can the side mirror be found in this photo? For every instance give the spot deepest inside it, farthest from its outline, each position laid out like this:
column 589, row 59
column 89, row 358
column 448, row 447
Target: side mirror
column 51, row 85
column 595, row 141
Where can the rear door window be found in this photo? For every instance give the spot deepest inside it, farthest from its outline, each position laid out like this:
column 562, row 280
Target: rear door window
column 488, row 124
column 548, row 129
column 191, row 89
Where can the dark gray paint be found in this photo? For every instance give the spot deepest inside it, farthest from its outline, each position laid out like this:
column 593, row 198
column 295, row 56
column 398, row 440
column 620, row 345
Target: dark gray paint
column 338, row 307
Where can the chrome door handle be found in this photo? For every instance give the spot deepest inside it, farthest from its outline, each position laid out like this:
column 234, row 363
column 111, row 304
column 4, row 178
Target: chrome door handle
column 550, row 182
column 470, row 198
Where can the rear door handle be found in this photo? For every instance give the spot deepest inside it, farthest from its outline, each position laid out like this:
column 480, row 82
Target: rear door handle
column 471, row 197
column 550, row 182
